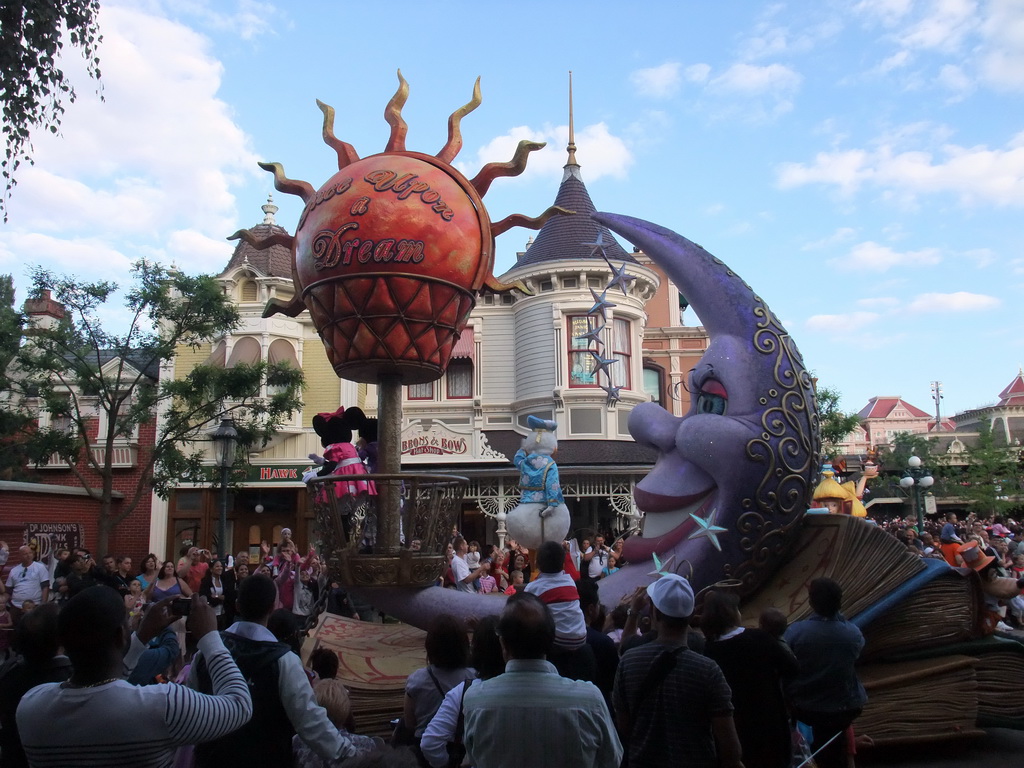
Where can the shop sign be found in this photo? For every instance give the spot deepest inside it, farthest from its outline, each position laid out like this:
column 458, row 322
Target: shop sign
column 434, row 441
column 276, row 473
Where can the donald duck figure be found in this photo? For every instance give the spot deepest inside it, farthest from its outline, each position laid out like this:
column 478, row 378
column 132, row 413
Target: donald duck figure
column 541, row 514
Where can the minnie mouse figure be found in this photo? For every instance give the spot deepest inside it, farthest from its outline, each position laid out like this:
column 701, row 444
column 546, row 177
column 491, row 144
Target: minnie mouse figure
column 340, row 456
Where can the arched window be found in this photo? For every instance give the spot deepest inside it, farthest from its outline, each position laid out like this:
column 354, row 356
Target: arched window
column 246, row 350
column 249, row 291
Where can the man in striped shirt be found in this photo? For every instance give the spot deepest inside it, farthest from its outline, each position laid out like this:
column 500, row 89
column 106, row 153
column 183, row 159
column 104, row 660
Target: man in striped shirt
column 98, row 719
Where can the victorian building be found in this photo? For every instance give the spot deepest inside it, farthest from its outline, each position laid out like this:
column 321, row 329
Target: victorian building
column 599, row 332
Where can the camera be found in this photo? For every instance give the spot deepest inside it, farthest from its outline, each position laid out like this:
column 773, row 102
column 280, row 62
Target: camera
column 181, row 606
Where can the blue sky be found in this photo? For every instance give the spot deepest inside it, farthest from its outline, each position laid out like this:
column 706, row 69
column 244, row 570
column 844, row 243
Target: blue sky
column 860, row 164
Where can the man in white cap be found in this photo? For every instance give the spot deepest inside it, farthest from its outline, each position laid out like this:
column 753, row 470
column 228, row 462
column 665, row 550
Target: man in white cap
column 673, row 706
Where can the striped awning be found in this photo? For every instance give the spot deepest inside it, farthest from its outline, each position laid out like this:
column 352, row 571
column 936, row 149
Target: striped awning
column 464, row 347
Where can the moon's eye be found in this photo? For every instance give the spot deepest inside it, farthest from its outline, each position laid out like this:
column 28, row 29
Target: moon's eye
column 712, row 398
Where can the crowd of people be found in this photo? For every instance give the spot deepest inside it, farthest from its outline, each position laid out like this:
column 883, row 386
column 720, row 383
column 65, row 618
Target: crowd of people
column 991, row 545
column 555, row 680
column 493, row 569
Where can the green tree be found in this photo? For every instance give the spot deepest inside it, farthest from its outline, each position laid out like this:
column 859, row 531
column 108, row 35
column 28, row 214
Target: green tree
column 991, row 477
column 14, row 425
column 904, row 445
column 33, row 87
column 835, row 424
column 100, row 387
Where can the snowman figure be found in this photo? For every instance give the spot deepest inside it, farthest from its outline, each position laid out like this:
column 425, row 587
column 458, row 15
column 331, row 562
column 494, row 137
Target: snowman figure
column 541, row 514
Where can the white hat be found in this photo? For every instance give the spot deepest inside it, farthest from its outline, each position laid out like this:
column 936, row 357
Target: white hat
column 672, row 595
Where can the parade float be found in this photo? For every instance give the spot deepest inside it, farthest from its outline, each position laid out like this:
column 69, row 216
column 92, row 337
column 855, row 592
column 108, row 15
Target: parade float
column 388, row 257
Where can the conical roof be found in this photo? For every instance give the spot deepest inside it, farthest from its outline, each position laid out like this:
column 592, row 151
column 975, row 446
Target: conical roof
column 1014, row 392
column 566, row 237
column 274, row 261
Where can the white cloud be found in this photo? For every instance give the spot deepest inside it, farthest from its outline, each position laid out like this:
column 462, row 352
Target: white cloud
column 1002, row 57
column 879, row 302
column 659, row 82
column 697, row 73
column 976, row 175
column 943, row 25
column 64, row 256
column 961, row 301
column 982, row 257
column 851, row 321
column 954, row 79
column 775, row 79
column 249, row 19
column 873, row 257
column 844, row 169
column 887, row 12
column 841, row 235
column 600, row 152
column 160, row 155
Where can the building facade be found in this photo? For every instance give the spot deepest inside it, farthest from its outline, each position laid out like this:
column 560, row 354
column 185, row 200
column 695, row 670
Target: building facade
column 546, row 353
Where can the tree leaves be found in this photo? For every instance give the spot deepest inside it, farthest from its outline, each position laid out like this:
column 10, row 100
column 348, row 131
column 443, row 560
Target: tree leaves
column 32, row 87
column 100, row 387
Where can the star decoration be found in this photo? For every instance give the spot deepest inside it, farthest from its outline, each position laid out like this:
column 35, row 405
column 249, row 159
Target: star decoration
column 707, row 529
column 602, row 363
column 660, row 568
column 594, row 334
column 597, row 246
column 621, row 279
column 601, row 304
column 613, row 393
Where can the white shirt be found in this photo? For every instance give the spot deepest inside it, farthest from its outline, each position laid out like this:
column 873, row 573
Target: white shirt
column 460, row 570
column 26, row 583
column 597, row 563
column 441, row 728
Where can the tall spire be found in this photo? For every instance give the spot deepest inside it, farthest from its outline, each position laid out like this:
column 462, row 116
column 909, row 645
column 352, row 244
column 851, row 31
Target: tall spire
column 572, row 139
column 269, row 209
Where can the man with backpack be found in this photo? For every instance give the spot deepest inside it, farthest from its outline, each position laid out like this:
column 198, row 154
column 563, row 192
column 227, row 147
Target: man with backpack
column 282, row 698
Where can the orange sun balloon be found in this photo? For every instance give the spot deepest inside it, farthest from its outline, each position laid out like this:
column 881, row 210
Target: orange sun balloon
column 390, row 253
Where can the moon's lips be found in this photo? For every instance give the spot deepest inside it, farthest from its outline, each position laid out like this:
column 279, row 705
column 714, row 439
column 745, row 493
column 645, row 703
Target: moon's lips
column 660, row 513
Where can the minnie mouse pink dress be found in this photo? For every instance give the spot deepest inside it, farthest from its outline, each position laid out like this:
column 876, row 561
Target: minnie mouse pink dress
column 350, row 466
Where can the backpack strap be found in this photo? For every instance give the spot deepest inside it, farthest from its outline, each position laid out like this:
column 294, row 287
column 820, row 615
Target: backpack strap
column 461, row 721
column 660, row 668
column 437, row 683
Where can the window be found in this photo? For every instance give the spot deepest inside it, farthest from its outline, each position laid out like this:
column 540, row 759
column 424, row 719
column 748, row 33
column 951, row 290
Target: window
column 652, row 383
column 460, row 379
column 249, row 291
column 622, row 350
column 421, row 391
column 581, row 361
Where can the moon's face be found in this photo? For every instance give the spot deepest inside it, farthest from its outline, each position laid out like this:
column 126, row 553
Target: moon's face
column 699, row 455
column 733, row 475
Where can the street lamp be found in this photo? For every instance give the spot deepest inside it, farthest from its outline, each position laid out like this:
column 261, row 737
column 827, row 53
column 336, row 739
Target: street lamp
column 919, row 479
column 224, row 439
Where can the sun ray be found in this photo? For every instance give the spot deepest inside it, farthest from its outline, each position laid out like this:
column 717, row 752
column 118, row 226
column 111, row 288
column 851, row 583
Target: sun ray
column 522, row 220
column 346, row 152
column 492, row 171
column 289, row 186
column 393, row 117
column 262, row 243
column 450, row 150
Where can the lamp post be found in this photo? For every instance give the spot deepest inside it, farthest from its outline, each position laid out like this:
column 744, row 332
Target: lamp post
column 224, row 439
column 918, row 478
